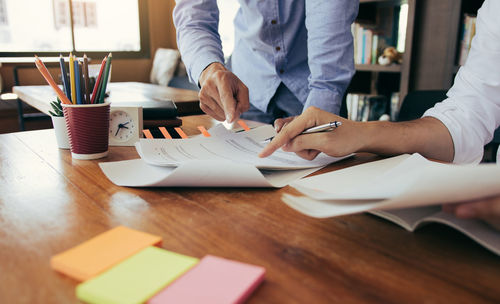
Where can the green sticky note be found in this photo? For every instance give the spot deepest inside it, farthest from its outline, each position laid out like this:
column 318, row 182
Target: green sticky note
column 136, row 279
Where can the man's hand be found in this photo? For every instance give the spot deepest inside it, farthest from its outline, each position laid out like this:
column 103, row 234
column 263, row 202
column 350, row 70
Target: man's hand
column 342, row 141
column 281, row 122
column 222, row 96
column 487, row 210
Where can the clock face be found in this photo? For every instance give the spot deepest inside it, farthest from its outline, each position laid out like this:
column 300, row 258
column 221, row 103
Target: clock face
column 122, row 127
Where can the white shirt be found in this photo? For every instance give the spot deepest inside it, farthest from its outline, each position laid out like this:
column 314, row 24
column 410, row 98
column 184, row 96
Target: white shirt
column 472, row 110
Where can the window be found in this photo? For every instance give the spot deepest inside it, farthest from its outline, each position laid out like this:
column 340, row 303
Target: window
column 47, row 27
column 3, row 13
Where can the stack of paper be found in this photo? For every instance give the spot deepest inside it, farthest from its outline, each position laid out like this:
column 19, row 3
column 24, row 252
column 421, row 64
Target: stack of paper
column 225, row 159
column 399, row 182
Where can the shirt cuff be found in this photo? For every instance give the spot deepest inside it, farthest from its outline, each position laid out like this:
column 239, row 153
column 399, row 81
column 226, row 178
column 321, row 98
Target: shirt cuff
column 199, row 65
column 324, row 99
column 462, row 155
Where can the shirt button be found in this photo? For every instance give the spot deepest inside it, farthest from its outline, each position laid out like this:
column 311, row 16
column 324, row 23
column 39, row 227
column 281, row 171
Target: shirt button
column 282, row 71
column 274, row 22
column 278, row 48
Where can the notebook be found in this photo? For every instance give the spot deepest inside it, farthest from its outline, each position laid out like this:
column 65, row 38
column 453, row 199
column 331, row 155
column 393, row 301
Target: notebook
column 214, row 280
column 94, row 256
column 136, row 279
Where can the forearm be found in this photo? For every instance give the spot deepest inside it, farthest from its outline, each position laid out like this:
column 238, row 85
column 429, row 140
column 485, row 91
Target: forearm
column 198, row 39
column 427, row 136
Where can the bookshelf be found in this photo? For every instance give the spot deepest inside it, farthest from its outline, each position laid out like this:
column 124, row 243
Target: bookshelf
column 438, row 32
column 382, row 18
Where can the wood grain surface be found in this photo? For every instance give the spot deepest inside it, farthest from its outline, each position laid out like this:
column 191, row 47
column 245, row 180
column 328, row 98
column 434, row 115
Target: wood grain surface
column 50, row 202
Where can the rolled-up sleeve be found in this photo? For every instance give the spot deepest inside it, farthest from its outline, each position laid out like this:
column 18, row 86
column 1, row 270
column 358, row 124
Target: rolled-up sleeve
column 330, row 51
column 198, row 40
column 472, row 111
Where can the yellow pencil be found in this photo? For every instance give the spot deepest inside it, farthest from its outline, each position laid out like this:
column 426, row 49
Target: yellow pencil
column 72, row 78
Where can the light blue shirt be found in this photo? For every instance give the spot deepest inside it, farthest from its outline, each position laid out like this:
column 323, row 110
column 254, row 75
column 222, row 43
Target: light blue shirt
column 306, row 44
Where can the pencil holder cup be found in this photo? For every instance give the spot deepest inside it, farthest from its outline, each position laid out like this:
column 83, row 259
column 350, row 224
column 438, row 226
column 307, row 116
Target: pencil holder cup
column 62, row 136
column 88, row 126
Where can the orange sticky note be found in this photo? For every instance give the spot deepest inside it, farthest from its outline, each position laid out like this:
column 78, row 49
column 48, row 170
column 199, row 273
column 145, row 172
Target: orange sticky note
column 181, row 133
column 243, row 125
column 102, row 252
column 147, row 133
column 165, row 133
column 203, row 131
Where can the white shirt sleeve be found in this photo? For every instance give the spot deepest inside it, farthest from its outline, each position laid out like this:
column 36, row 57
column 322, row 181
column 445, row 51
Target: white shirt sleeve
column 472, row 110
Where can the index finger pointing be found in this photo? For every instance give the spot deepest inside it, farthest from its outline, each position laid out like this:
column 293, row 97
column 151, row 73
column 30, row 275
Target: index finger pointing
column 227, row 100
column 287, row 133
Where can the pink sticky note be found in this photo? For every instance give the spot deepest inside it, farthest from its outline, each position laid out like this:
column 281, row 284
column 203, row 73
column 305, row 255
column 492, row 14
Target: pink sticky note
column 213, row 280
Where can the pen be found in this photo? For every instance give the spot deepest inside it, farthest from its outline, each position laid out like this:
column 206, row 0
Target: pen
column 321, row 128
column 78, row 87
column 64, row 76
column 86, row 80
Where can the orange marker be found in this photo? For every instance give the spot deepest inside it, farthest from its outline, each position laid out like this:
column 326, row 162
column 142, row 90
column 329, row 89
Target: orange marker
column 181, row 133
column 147, row 133
column 243, row 125
column 45, row 73
column 165, row 133
column 203, row 131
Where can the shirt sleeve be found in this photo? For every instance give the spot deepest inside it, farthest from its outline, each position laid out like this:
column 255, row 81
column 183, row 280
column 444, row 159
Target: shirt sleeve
column 472, row 110
column 198, row 40
column 330, row 51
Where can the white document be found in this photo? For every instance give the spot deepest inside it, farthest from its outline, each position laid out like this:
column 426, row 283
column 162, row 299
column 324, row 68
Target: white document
column 226, row 159
column 400, row 182
column 137, row 173
column 241, row 147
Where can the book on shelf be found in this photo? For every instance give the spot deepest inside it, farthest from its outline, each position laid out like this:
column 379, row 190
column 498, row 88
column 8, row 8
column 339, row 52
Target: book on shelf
column 365, row 107
column 395, row 106
column 367, row 44
column 468, row 32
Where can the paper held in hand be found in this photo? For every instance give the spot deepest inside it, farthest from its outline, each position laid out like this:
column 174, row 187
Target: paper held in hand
column 400, row 182
column 407, row 190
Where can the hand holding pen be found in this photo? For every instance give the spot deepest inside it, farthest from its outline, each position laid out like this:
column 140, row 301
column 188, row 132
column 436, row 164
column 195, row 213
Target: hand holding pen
column 313, row 132
column 321, row 128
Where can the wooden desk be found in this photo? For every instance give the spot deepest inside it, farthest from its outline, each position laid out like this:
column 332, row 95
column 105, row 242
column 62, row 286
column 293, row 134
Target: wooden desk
column 49, row 203
column 186, row 101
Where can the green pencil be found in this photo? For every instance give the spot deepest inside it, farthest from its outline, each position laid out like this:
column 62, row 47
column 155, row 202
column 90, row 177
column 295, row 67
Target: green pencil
column 105, row 79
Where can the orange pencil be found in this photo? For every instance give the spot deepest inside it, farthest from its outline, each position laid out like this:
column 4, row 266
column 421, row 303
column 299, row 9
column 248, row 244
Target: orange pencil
column 95, row 92
column 45, row 73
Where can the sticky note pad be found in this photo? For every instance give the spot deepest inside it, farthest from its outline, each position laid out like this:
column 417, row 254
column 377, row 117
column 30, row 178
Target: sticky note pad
column 213, row 280
column 102, row 252
column 136, row 279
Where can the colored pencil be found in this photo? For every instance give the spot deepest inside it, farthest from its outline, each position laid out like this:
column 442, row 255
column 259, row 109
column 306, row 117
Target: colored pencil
column 95, row 92
column 86, row 78
column 105, row 79
column 45, row 73
column 72, row 77
column 78, row 87
column 64, row 76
